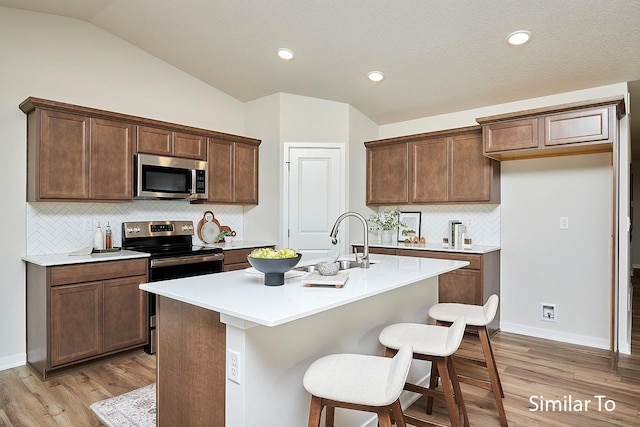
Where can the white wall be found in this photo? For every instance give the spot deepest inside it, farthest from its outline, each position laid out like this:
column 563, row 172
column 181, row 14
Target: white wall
column 262, row 222
column 72, row 61
column 543, row 264
column 361, row 129
column 519, row 314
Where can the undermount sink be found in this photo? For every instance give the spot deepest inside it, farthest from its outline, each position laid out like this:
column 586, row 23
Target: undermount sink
column 345, row 264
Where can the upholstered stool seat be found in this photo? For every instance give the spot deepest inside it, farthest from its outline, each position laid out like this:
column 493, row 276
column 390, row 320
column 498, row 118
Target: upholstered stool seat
column 477, row 317
column 436, row 344
column 360, row 382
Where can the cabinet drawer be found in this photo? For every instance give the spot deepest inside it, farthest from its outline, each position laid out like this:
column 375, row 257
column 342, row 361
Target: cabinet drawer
column 94, row 271
column 475, row 260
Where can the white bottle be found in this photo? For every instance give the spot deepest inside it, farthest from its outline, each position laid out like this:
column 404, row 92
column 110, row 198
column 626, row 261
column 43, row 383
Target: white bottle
column 98, row 239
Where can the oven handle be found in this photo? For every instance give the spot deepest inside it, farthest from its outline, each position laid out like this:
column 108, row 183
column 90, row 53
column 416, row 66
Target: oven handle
column 192, row 259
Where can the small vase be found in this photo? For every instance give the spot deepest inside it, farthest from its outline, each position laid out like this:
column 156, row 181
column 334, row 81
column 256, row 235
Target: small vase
column 387, row 236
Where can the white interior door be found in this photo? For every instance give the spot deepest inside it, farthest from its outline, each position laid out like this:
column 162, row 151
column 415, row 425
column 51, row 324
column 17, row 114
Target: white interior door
column 315, row 197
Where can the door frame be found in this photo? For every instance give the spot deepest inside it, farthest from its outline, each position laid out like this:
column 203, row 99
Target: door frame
column 287, row 185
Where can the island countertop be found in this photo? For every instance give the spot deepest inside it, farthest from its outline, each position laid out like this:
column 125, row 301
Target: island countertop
column 244, row 296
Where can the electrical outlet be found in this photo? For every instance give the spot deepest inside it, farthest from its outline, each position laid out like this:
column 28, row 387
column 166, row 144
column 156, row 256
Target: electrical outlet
column 548, row 312
column 564, row 223
column 233, row 366
column 87, row 224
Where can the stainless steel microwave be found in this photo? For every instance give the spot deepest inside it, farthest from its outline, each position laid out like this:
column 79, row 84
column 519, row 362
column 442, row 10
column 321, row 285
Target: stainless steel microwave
column 159, row 177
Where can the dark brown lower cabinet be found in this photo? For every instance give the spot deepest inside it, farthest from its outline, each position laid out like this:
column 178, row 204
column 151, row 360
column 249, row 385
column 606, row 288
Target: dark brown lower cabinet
column 81, row 312
column 236, row 259
column 473, row 284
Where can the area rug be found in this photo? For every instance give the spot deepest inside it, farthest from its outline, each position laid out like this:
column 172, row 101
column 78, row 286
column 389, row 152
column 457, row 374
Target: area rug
column 134, row 409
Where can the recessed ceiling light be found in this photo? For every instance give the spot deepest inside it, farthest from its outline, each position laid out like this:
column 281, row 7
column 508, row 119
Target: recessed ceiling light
column 375, row 76
column 285, row 53
column 518, row 37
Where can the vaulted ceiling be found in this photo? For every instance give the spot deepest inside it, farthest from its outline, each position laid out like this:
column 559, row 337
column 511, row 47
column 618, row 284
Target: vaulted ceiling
column 437, row 56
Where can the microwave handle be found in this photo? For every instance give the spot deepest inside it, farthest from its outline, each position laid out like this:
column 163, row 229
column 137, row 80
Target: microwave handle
column 193, row 181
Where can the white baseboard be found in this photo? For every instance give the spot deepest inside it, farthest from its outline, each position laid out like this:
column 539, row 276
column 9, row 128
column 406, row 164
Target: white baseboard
column 9, row 362
column 588, row 341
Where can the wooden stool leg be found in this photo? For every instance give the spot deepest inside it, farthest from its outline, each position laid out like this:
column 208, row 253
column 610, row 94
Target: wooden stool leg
column 494, row 377
column 458, row 392
column 433, row 384
column 489, row 357
column 330, row 416
column 384, row 418
column 448, row 392
column 397, row 415
column 315, row 410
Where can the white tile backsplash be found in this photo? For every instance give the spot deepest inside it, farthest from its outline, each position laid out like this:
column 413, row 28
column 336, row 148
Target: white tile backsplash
column 484, row 228
column 54, row 227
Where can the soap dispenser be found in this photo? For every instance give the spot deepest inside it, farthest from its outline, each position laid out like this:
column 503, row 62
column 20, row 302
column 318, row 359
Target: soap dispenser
column 98, row 239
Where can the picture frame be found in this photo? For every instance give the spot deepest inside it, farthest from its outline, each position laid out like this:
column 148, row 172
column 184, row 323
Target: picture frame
column 412, row 229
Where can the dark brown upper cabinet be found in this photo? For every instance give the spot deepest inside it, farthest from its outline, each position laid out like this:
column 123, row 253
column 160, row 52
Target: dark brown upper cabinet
column 444, row 167
column 578, row 128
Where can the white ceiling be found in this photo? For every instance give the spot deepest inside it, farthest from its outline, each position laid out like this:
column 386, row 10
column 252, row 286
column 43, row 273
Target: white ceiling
column 438, row 56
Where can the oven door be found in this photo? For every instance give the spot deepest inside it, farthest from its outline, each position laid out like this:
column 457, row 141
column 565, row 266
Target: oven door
column 175, row 268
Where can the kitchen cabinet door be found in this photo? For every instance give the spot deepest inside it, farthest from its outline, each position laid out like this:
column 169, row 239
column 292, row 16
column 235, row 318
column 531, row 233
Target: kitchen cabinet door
column 62, row 141
column 125, row 313
column 154, row 141
column 189, row 146
column 233, row 172
column 577, row 126
column 429, row 172
column 388, row 174
column 220, row 173
column 111, row 160
column 76, row 322
column 512, row 135
column 246, row 173
column 461, row 286
column 470, row 173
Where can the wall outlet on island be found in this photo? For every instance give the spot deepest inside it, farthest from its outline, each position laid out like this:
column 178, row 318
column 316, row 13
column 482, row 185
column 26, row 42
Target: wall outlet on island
column 548, row 312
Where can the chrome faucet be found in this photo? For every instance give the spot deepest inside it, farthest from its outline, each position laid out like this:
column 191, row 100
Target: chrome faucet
column 362, row 259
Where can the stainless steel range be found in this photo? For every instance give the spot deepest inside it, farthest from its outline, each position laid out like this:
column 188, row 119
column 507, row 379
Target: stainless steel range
column 172, row 256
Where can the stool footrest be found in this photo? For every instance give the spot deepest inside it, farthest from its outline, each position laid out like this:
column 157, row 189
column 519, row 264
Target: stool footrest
column 470, row 360
column 475, row 382
column 409, row 419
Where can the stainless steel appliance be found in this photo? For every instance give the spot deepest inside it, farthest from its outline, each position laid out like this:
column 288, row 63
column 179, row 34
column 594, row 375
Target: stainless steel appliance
column 159, row 177
column 172, row 256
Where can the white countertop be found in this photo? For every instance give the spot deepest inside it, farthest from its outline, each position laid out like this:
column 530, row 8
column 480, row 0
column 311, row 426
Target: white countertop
column 244, row 296
column 475, row 249
column 239, row 244
column 62, row 259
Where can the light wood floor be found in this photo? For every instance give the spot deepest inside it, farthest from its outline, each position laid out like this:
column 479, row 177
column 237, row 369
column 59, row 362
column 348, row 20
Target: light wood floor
column 528, row 367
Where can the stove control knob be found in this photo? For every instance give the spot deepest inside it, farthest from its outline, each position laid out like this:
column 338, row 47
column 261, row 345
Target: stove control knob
column 129, row 229
column 136, row 230
column 190, row 227
column 185, row 228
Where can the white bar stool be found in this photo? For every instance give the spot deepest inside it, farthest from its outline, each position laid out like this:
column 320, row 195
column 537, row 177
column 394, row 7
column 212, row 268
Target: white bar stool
column 477, row 317
column 436, row 344
column 360, row 382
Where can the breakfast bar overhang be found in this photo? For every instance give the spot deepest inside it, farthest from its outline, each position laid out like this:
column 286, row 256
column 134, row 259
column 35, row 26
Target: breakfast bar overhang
column 232, row 351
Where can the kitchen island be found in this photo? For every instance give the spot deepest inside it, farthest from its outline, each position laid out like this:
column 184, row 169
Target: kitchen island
column 233, row 352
